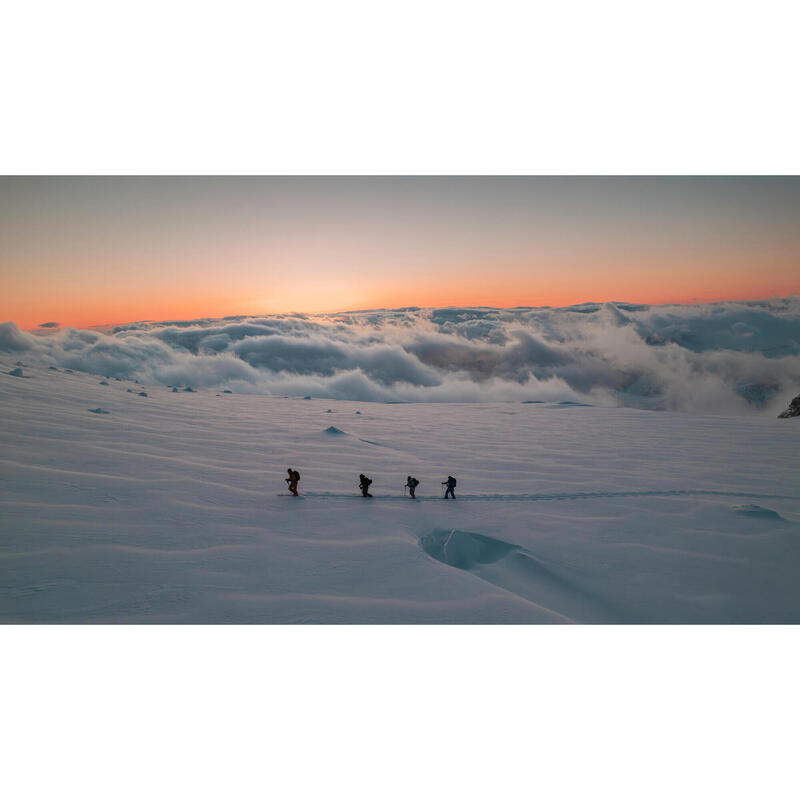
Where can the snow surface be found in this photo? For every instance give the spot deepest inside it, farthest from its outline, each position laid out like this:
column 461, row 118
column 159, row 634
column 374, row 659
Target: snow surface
column 172, row 508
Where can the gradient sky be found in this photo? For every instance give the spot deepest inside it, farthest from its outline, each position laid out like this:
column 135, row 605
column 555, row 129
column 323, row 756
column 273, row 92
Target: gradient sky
column 96, row 250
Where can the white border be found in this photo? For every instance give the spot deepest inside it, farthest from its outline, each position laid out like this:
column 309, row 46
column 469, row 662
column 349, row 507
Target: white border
column 418, row 87
column 398, row 712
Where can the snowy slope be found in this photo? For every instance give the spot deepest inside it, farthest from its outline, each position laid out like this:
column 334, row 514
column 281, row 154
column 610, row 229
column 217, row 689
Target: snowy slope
column 172, row 508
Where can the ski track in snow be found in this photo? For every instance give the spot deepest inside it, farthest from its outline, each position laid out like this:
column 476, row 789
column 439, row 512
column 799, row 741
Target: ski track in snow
column 169, row 509
column 561, row 496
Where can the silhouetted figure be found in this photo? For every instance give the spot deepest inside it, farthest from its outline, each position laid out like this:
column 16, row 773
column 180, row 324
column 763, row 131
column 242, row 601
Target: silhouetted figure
column 364, row 484
column 294, row 477
column 450, row 483
column 412, row 484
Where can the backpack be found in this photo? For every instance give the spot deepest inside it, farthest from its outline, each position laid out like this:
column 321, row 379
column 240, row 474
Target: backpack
column 453, row 484
column 296, row 475
column 414, row 482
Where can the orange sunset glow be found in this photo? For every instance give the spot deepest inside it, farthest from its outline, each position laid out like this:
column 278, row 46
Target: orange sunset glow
column 95, row 251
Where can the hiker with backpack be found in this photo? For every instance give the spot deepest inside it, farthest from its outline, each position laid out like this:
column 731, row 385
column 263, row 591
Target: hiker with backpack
column 294, row 477
column 364, row 484
column 412, row 484
column 450, row 483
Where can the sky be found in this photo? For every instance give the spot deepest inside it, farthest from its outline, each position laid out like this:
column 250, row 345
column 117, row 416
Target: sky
column 83, row 251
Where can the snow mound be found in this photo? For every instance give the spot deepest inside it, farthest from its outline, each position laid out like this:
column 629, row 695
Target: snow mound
column 17, row 373
column 104, row 383
column 464, row 550
column 334, row 431
column 518, row 572
column 142, row 394
column 751, row 510
column 99, row 411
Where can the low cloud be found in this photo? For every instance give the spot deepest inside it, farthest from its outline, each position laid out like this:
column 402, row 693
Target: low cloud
column 727, row 358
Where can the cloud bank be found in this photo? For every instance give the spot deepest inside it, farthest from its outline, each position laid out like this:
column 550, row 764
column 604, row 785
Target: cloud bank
column 725, row 358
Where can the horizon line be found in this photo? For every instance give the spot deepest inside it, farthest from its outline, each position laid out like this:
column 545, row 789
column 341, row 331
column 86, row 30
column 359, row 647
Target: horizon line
column 44, row 327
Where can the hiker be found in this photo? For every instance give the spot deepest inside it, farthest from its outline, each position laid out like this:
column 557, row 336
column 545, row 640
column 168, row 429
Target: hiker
column 294, row 477
column 363, row 484
column 450, row 483
column 412, row 484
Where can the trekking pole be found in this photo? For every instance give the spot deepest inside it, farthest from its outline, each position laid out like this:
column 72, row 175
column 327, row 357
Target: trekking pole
column 404, row 490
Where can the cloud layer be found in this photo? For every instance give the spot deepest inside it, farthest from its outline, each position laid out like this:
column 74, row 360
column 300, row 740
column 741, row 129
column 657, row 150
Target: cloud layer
column 726, row 358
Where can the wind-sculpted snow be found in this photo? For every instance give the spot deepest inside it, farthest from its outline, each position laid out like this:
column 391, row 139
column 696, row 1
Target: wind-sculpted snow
column 118, row 508
column 728, row 358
